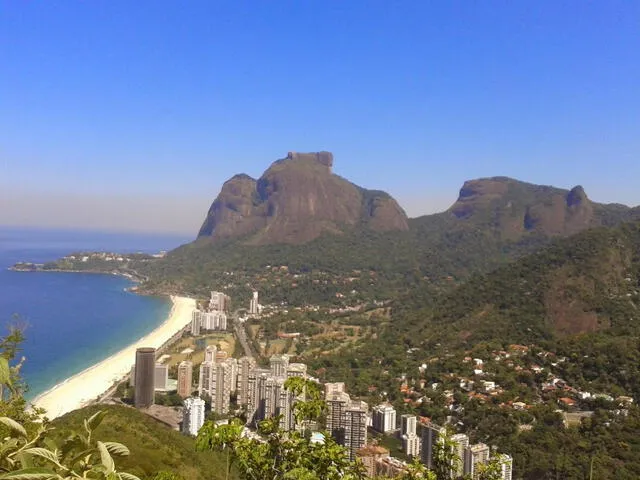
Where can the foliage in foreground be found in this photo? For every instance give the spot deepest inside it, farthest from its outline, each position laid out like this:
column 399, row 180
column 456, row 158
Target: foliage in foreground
column 154, row 447
column 281, row 456
column 79, row 456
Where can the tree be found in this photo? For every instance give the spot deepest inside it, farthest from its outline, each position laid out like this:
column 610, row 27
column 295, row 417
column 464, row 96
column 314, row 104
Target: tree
column 490, row 471
column 417, row 471
column 37, row 457
column 309, row 405
column 280, row 455
column 12, row 402
column 445, row 458
column 220, row 437
column 28, row 452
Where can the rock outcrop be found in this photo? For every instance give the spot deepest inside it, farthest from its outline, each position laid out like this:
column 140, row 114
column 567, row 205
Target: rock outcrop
column 513, row 208
column 295, row 201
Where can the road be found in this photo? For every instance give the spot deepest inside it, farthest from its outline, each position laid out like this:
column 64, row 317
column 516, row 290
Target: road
column 241, row 335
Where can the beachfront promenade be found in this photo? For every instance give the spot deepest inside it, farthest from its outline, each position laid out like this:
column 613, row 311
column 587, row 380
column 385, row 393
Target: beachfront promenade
column 93, row 382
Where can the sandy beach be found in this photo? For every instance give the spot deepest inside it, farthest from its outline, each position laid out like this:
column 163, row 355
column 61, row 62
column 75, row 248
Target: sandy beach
column 84, row 387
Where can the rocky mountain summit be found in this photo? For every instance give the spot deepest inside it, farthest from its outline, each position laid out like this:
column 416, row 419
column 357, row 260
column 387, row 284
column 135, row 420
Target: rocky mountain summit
column 297, row 199
column 513, row 208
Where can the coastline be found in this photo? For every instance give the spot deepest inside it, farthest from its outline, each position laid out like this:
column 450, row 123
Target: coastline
column 84, row 387
column 133, row 277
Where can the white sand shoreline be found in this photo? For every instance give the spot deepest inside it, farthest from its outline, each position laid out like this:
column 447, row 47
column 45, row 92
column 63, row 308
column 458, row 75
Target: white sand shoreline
column 84, row 387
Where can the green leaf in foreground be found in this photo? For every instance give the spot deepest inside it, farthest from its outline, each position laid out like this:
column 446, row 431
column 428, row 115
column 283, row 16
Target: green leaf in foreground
column 36, row 473
column 13, row 425
column 105, row 457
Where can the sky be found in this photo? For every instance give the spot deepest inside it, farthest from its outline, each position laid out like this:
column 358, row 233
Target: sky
column 121, row 115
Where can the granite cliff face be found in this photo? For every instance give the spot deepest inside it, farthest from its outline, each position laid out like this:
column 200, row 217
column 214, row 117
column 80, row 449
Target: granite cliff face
column 514, row 208
column 295, row 201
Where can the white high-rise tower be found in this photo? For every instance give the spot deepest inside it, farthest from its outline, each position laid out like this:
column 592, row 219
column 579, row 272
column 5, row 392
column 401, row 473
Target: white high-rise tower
column 253, row 304
column 193, row 417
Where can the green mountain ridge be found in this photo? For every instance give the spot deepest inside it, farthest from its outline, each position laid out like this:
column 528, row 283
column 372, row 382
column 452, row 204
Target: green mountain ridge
column 494, row 221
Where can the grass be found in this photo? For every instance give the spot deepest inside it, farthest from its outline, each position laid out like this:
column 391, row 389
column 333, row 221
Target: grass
column 154, row 447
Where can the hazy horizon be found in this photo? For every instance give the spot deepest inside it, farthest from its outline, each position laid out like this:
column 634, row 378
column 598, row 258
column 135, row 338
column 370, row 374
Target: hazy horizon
column 140, row 214
column 131, row 116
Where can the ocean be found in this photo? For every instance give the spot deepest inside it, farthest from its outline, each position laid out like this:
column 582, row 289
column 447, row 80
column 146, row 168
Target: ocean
column 73, row 320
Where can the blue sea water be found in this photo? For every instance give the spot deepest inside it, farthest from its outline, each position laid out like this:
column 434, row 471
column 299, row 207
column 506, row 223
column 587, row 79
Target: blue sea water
column 73, row 320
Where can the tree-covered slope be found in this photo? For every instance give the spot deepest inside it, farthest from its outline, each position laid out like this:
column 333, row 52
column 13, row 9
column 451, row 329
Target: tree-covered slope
column 493, row 221
column 154, row 447
column 585, row 283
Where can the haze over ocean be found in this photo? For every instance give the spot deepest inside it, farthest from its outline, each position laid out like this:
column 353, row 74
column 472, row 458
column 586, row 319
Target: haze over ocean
column 73, row 320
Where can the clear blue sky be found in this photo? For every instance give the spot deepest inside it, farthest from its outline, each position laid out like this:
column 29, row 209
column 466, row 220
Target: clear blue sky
column 130, row 109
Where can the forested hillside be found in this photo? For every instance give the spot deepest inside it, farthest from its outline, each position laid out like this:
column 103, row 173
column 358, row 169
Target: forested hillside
column 579, row 297
column 494, row 221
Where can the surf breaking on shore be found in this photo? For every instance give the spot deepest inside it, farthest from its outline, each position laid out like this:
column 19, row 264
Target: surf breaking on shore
column 84, row 387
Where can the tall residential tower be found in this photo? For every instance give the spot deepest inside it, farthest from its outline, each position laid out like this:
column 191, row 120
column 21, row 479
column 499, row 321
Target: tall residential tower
column 145, row 377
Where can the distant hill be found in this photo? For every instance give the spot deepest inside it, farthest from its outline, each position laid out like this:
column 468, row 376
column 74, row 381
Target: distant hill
column 154, row 447
column 296, row 200
column 302, row 215
column 512, row 210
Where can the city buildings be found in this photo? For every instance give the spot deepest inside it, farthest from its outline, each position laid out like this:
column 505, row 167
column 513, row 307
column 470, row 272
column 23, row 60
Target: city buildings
column 346, row 419
column 411, row 445
column 205, row 377
column 253, row 304
column 384, row 418
column 210, row 353
column 214, row 320
column 337, row 403
column 196, row 323
column 221, row 356
column 331, row 388
column 297, row 370
column 279, row 365
column 267, row 397
column 264, row 389
column 144, row 377
column 466, row 458
column 246, row 365
column 256, row 394
column 506, row 466
column 430, row 435
column 193, row 415
column 218, row 379
column 219, row 302
column 371, row 456
column 408, row 424
column 460, row 444
column 185, row 379
column 410, row 440
column 160, row 377
column 474, row 455
column 354, row 421
column 222, row 386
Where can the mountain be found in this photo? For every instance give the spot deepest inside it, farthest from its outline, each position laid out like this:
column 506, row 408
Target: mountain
column 512, row 210
column 296, row 200
column 300, row 214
